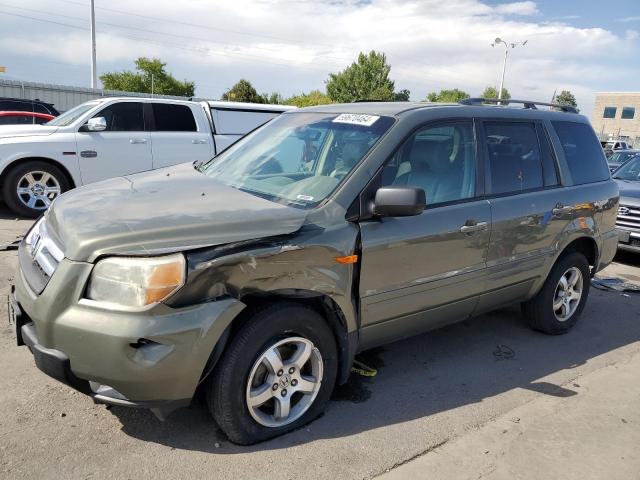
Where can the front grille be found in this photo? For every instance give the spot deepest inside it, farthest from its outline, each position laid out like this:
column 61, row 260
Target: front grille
column 39, row 256
column 628, row 217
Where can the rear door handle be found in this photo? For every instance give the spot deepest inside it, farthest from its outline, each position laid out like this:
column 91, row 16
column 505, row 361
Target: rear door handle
column 198, row 141
column 137, row 140
column 475, row 227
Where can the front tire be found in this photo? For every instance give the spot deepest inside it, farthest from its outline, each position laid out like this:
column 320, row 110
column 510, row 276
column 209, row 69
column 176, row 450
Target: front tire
column 558, row 305
column 276, row 375
column 30, row 187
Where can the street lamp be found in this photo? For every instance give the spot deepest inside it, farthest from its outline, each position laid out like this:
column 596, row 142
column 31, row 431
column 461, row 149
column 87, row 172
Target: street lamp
column 507, row 46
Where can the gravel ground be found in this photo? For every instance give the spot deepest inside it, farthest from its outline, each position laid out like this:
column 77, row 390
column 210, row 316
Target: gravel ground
column 430, row 390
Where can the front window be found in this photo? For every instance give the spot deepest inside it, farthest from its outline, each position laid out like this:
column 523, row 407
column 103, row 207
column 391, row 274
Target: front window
column 629, row 171
column 298, row 159
column 70, row 116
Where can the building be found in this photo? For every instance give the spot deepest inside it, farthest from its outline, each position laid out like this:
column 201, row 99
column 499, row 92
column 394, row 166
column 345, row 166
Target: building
column 63, row 97
column 616, row 115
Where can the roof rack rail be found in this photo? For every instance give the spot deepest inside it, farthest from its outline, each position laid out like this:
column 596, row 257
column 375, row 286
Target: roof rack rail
column 525, row 103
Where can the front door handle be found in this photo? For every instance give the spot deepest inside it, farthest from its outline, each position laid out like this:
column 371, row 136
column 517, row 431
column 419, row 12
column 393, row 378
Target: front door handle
column 473, row 227
column 198, row 141
column 137, row 140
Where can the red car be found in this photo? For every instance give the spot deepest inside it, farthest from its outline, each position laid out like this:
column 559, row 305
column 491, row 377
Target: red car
column 24, row 118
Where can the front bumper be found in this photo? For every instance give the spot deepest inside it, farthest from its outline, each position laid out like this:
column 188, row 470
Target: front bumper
column 628, row 240
column 152, row 359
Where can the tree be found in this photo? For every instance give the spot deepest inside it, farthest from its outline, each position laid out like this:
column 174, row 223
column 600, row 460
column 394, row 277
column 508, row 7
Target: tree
column 402, row 96
column 314, row 97
column 273, row 98
column 492, row 92
column 448, row 96
column 565, row 97
column 149, row 77
column 243, row 91
column 365, row 79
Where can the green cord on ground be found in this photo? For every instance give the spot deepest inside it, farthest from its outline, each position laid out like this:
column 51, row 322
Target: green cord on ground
column 362, row 369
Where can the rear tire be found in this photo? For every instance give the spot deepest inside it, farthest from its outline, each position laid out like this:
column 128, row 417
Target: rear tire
column 30, row 187
column 558, row 305
column 249, row 398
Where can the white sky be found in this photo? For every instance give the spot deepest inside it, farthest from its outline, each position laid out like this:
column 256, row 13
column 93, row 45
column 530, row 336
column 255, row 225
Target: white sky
column 291, row 46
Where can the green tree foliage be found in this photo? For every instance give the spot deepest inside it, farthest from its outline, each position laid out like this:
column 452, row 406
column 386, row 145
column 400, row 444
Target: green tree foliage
column 314, row 97
column 492, row 92
column 448, row 96
column 365, row 79
column 273, row 98
column 565, row 97
column 149, row 73
column 402, row 96
column 243, row 91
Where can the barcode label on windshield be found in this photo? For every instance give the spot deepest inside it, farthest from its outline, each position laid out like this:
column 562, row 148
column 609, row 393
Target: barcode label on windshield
column 356, row 119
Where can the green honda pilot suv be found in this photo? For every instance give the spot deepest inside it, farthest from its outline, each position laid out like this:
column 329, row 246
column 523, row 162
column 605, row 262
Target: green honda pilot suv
column 258, row 275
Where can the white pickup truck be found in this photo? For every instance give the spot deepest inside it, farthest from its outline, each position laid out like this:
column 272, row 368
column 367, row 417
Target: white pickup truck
column 111, row 137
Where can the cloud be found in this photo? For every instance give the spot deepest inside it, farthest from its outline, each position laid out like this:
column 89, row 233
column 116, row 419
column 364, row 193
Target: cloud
column 290, row 46
column 629, row 19
column 517, row 8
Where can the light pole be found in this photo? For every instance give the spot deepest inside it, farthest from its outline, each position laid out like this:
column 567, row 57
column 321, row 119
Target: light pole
column 94, row 74
column 507, row 46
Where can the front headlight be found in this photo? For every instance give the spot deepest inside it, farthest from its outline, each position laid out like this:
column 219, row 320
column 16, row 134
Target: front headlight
column 136, row 282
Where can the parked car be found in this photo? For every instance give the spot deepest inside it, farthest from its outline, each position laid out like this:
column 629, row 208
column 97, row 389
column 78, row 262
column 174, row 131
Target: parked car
column 611, row 146
column 24, row 118
column 260, row 274
column 115, row 136
column 25, row 105
column 628, row 224
column 620, row 158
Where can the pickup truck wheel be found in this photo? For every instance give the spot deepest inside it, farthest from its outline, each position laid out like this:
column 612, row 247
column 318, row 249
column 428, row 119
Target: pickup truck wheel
column 29, row 188
column 276, row 375
column 558, row 305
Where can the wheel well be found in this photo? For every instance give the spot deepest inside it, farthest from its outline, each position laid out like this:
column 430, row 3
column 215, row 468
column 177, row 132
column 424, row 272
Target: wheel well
column 50, row 161
column 322, row 304
column 585, row 245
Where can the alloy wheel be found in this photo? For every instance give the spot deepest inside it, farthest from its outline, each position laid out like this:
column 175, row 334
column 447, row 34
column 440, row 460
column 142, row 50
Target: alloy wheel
column 568, row 294
column 37, row 189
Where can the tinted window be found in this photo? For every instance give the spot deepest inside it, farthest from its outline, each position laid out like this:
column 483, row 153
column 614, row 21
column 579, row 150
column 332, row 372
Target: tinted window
column 173, row 118
column 15, row 105
column 583, row 152
column 609, row 112
column 628, row 112
column 438, row 159
column 123, row 117
column 238, row 122
column 549, row 170
column 15, row 120
column 39, row 108
column 515, row 160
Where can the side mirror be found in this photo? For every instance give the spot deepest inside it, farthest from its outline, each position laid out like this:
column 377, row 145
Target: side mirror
column 399, row 202
column 96, row 124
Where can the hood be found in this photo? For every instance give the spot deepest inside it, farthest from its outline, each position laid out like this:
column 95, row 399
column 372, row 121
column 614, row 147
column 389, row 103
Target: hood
column 629, row 192
column 8, row 131
column 162, row 211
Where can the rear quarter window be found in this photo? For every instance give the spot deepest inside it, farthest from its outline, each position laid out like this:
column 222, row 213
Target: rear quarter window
column 238, row 122
column 583, row 152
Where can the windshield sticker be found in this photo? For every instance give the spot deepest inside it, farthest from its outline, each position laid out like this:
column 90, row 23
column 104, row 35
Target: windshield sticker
column 306, row 198
column 356, row 119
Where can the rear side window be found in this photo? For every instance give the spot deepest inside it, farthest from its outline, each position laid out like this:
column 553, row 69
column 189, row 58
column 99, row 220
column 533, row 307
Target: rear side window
column 515, row 159
column 238, row 122
column 173, row 118
column 583, row 152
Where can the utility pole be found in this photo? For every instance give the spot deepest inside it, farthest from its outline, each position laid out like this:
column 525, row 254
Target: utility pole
column 507, row 46
column 94, row 73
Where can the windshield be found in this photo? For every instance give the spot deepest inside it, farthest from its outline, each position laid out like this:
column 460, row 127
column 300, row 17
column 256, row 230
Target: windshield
column 629, row 171
column 70, row 116
column 621, row 157
column 298, row 159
